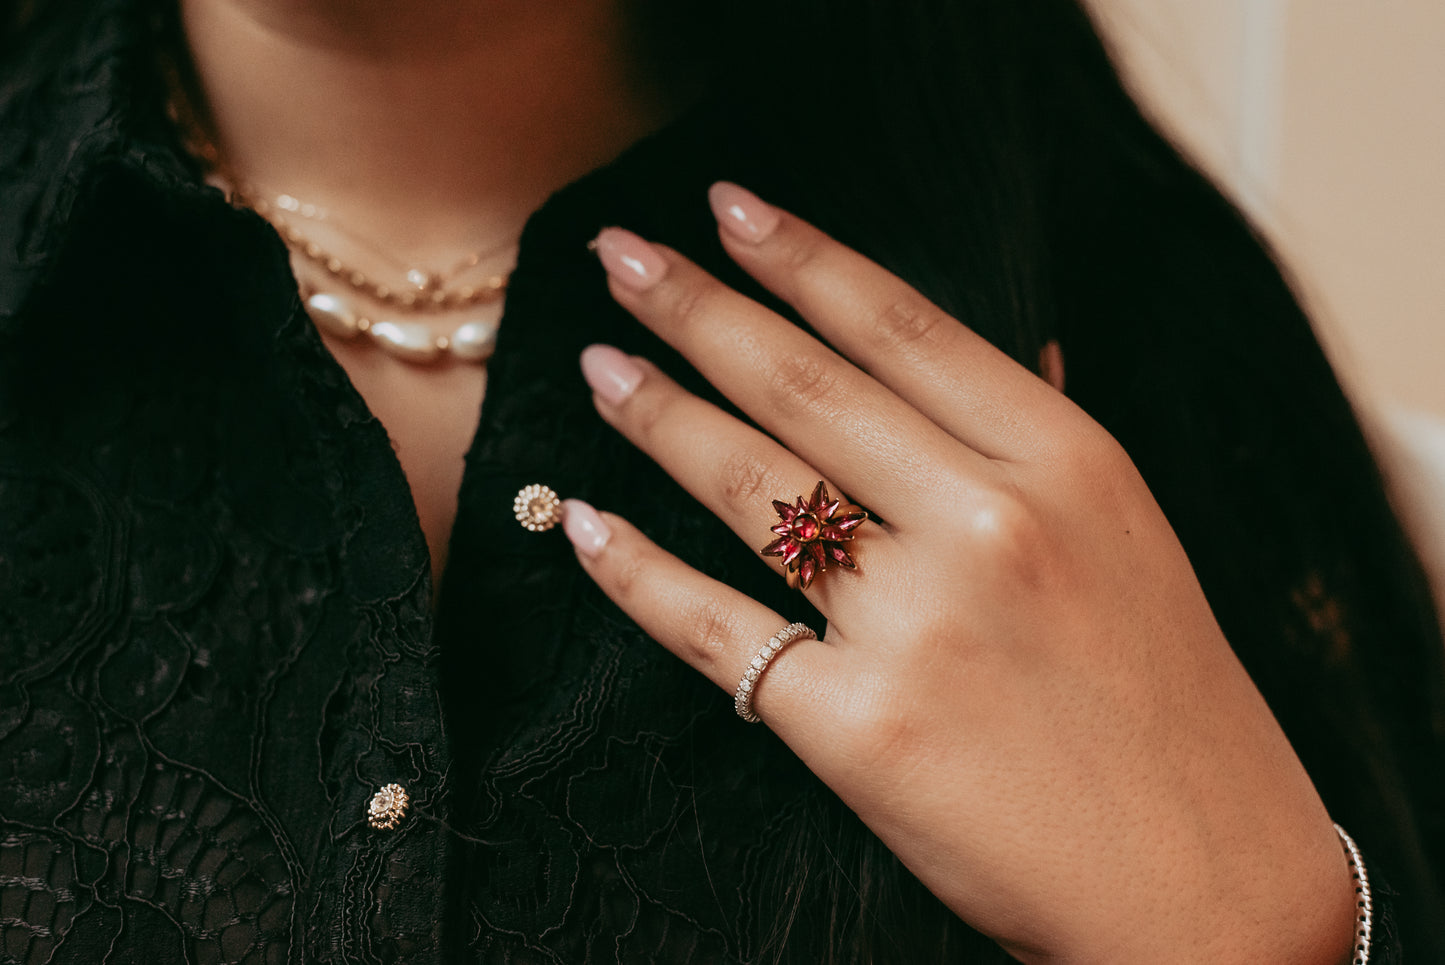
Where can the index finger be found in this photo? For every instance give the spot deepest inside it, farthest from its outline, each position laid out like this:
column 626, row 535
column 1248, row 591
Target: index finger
column 961, row 382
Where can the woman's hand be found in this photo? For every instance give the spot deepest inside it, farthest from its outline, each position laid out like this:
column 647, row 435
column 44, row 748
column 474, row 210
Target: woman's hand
column 1021, row 688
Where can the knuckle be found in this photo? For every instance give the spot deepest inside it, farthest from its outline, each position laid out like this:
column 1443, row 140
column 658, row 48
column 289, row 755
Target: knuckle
column 905, row 322
column 645, row 410
column 692, row 304
column 712, row 631
column 800, row 382
column 1106, row 458
column 801, row 250
column 744, row 478
column 1011, row 533
column 1102, row 471
column 629, row 578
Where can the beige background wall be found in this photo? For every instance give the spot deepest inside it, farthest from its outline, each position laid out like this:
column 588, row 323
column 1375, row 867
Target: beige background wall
column 1325, row 119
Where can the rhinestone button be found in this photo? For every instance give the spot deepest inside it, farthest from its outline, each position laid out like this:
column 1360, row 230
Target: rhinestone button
column 387, row 808
column 537, row 507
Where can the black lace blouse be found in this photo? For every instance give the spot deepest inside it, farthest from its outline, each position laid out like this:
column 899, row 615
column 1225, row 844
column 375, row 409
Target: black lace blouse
column 216, row 635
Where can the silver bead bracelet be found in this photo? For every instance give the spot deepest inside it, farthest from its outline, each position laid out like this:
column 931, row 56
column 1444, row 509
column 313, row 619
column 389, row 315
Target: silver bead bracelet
column 1364, row 907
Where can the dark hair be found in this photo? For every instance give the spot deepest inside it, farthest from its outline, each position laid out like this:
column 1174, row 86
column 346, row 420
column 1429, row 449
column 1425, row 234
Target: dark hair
column 986, row 151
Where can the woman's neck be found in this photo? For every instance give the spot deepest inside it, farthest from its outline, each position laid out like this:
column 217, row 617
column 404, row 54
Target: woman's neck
column 438, row 125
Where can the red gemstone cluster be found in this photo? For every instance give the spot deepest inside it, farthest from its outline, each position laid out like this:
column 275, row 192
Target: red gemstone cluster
column 812, row 533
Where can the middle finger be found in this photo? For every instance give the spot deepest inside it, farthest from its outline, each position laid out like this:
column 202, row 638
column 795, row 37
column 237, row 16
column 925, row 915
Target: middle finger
column 730, row 467
column 881, row 450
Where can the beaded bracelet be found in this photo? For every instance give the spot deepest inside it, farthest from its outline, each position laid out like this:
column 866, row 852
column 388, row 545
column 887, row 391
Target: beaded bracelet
column 1364, row 908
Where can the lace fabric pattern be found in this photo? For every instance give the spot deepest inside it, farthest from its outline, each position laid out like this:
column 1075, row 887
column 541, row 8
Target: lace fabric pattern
column 200, row 691
column 213, row 647
column 218, row 642
column 217, row 638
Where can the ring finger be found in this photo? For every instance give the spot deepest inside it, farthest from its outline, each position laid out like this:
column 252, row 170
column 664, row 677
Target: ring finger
column 716, row 629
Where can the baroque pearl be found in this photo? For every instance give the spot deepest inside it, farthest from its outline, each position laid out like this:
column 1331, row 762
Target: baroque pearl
column 333, row 315
column 412, row 341
column 474, row 342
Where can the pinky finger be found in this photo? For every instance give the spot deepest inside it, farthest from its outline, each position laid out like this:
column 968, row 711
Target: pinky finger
column 713, row 627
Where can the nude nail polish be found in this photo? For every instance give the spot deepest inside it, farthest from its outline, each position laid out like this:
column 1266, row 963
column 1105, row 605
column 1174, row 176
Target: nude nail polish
column 629, row 259
column 741, row 213
column 584, row 527
column 611, row 373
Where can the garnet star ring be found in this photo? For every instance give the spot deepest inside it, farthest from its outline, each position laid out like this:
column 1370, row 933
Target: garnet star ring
column 811, row 535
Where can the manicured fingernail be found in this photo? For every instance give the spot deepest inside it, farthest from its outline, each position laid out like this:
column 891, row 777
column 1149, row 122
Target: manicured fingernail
column 629, row 259
column 611, row 373
column 584, row 527
column 745, row 216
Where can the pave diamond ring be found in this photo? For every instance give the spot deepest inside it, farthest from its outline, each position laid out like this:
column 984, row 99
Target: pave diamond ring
column 743, row 699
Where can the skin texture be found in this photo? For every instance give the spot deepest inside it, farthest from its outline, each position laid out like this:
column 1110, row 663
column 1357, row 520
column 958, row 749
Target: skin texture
column 433, row 128
column 1022, row 689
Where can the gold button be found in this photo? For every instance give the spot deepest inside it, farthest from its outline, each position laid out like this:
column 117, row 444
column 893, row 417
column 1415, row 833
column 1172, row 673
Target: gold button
column 387, row 808
column 538, row 508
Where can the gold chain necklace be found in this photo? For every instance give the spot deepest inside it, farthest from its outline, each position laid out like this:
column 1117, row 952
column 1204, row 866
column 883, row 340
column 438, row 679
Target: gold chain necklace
column 336, row 314
column 426, row 290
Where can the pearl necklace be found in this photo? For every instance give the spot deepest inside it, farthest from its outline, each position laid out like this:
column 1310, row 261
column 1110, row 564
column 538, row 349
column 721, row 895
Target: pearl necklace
column 412, row 342
column 471, row 342
column 428, row 289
